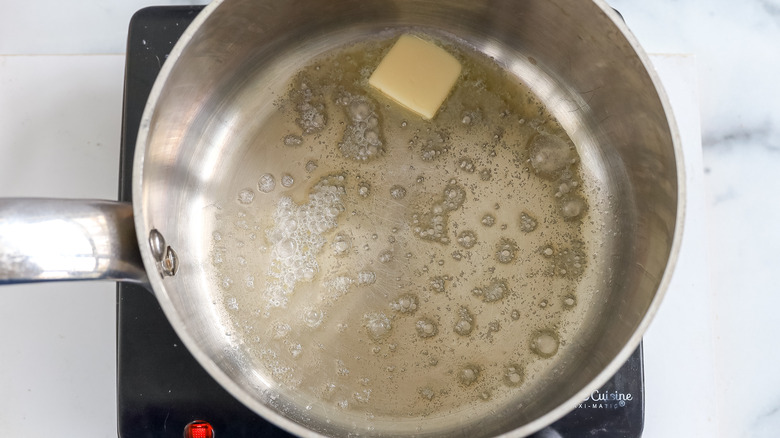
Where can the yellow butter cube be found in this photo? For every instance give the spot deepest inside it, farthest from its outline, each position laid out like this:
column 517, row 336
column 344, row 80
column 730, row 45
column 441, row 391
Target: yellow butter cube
column 417, row 74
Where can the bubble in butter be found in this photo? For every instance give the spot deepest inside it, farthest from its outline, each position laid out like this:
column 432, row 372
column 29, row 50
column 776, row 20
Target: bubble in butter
column 417, row 74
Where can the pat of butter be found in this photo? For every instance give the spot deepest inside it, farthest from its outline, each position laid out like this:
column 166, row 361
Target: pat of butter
column 417, row 74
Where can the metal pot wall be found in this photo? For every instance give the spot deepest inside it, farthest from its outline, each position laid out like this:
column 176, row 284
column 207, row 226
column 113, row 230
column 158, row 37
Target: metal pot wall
column 194, row 150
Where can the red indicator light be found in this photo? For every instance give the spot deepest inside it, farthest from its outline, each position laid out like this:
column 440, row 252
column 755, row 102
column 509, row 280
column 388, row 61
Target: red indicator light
column 199, row 429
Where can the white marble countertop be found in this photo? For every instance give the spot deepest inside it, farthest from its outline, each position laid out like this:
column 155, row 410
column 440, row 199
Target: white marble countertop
column 711, row 355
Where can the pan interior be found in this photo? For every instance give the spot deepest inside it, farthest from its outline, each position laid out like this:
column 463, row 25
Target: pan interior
column 252, row 161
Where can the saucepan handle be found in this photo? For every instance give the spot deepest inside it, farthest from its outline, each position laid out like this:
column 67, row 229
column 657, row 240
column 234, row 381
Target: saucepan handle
column 68, row 239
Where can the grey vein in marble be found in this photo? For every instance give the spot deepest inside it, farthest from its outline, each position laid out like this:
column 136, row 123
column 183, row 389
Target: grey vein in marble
column 762, row 135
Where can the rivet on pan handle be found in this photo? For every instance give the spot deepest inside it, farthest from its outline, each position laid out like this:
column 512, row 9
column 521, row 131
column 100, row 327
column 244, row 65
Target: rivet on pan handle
column 167, row 260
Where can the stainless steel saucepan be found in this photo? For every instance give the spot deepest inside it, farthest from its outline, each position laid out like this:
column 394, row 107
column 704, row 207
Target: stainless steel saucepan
column 197, row 141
